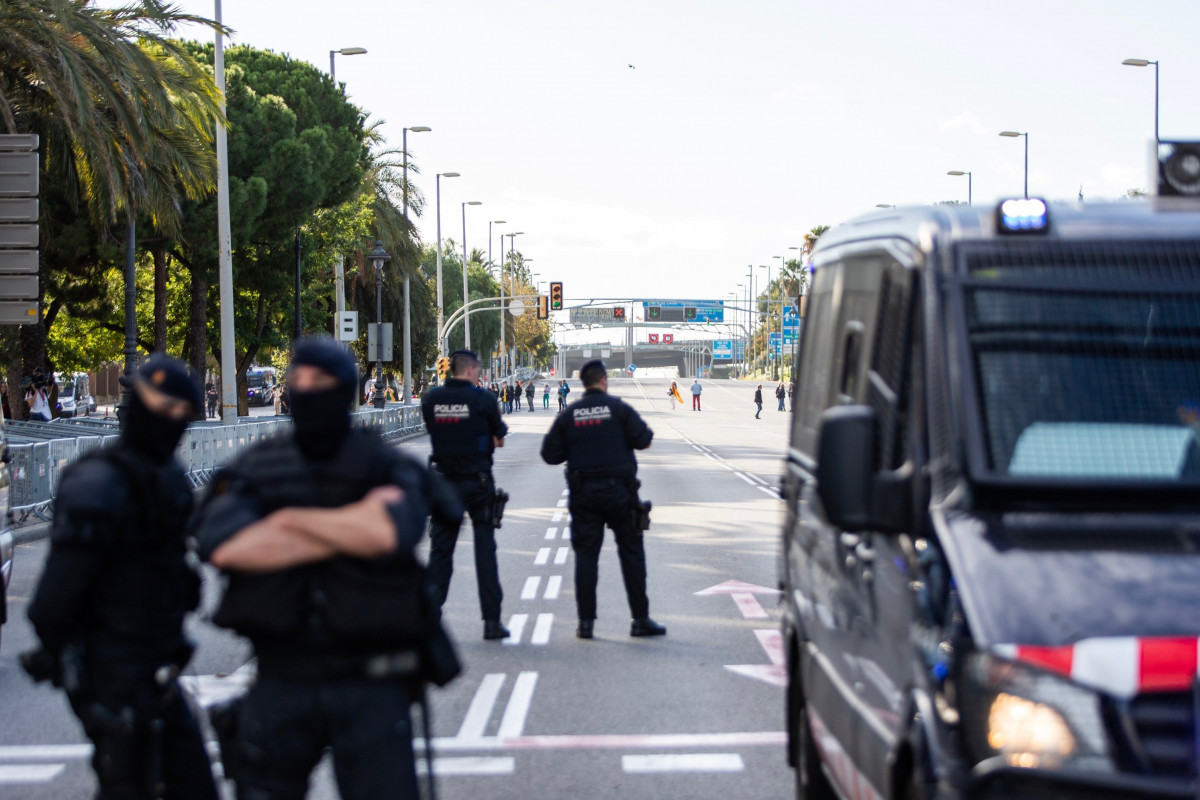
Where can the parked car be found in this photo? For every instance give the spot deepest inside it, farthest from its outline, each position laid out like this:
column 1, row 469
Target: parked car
column 991, row 553
column 74, row 394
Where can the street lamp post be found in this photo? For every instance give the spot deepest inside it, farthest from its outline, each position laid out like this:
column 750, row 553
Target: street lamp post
column 490, row 223
column 379, row 257
column 441, row 320
column 466, row 290
column 407, row 287
column 1141, row 62
column 740, row 318
column 345, row 51
column 504, row 322
column 1014, row 135
column 751, row 304
column 767, row 317
column 959, row 172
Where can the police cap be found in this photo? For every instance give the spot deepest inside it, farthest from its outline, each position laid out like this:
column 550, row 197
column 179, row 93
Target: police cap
column 171, row 377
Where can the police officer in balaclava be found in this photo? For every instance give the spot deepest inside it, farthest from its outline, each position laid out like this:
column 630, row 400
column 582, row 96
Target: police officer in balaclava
column 316, row 531
column 117, row 585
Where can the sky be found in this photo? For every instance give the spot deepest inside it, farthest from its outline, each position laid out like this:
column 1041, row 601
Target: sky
column 657, row 148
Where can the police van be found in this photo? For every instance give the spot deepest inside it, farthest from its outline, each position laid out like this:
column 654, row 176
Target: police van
column 7, row 542
column 991, row 553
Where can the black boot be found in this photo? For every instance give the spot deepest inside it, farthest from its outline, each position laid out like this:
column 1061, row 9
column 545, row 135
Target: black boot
column 492, row 629
column 584, row 631
column 644, row 626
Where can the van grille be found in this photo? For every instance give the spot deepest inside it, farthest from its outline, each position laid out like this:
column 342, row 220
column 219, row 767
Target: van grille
column 1165, row 732
column 1125, row 260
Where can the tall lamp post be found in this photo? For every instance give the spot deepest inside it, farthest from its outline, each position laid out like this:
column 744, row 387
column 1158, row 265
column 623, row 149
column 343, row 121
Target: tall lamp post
column 767, row 326
column 466, row 290
column 441, row 319
column 379, row 257
column 339, row 272
column 512, row 237
column 407, row 292
column 229, row 403
column 1141, row 62
column 960, row 173
column 1014, row 135
column 782, row 269
column 492, row 222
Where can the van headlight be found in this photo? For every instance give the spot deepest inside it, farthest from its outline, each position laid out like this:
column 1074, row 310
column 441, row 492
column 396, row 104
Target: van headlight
column 1031, row 718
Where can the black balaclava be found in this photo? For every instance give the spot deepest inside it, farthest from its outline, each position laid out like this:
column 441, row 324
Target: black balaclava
column 321, row 419
column 151, row 434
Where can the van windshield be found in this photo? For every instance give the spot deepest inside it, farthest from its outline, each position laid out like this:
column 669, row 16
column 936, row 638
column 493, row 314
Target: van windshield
column 1088, row 370
column 66, row 390
column 255, row 380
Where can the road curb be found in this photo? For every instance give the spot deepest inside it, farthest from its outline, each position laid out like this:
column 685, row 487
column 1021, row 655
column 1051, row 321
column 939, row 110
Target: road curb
column 31, row 533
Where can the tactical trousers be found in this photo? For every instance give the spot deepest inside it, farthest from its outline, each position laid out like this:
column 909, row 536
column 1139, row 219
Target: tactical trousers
column 477, row 495
column 128, row 757
column 595, row 503
column 286, row 725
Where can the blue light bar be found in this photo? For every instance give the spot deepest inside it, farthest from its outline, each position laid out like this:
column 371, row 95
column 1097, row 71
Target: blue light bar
column 1025, row 215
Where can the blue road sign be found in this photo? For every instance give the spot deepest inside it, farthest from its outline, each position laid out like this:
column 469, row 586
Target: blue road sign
column 722, row 349
column 632, row 368
column 683, row 311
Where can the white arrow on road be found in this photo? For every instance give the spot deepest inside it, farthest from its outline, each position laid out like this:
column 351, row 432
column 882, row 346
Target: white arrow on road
column 743, row 595
column 773, row 673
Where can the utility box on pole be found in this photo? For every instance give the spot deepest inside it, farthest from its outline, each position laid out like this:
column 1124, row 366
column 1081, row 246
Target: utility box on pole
column 19, row 284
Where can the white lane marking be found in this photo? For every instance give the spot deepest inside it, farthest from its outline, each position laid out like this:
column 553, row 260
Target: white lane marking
column 531, row 588
column 562, row 503
column 773, row 673
column 747, row 480
column 558, row 515
column 566, row 533
column 469, row 765
column 543, row 555
column 36, row 752
column 553, row 587
column 770, row 492
column 474, row 725
column 561, row 556
column 551, row 533
column 746, row 603
column 30, row 773
column 760, row 480
column 731, row 469
column 512, row 724
column 659, row 741
column 710, row 456
column 697, row 449
column 683, row 762
column 566, row 492
column 516, row 626
column 541, row 629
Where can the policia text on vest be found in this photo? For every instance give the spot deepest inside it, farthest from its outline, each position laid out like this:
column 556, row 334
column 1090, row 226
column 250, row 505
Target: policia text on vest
column 465, row 429
column 596, row 436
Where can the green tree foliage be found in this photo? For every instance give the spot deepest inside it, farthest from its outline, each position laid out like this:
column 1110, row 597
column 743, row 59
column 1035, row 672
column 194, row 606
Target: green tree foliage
column 485, row 324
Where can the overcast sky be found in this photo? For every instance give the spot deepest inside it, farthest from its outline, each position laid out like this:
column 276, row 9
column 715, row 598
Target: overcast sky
column 741, row 124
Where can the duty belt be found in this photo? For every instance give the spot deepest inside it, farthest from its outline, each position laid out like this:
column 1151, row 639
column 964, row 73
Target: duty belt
column 402, row 663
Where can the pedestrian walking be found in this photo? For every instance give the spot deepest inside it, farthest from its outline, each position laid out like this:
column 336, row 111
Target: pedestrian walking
column 517, row 397
column 211, row 397
column 780, row 394
column 696, row 390
column 316, row 530
column 464, row 432
column 546, row 396
column 758, row 401
column 110, row 606
column 596, row 436
column 529, row 395
column 673, row 394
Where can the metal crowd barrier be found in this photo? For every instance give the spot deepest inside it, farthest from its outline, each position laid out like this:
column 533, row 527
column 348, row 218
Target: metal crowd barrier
column 40, row 451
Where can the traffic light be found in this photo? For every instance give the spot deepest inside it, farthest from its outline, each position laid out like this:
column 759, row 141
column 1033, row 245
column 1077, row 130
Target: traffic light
column 543, row 307
column 619, row 313
column 653, row 312
column 443, row 367
column 556, row 300
column 689, row 312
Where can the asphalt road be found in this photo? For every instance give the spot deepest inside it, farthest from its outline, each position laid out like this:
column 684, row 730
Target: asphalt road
column 696, row 714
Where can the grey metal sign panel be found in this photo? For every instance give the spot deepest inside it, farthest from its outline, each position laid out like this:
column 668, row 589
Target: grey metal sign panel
column 19, row 141
column 20, row 235
column 591, row 316
column 18, row 262
column 18, row 209
column 18, row 313
column 18, row 287
column 19, row 174
column 373, row 339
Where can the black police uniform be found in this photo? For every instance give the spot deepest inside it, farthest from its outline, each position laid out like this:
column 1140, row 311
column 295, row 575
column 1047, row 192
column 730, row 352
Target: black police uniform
column 463, row 422
column 339, row 642
column 596, row 436
column 109, row 611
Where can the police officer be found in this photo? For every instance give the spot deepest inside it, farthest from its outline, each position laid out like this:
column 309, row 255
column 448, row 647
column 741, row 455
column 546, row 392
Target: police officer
column 110, row 605
column 596, row 436
column 464, row 430
column 316, row 531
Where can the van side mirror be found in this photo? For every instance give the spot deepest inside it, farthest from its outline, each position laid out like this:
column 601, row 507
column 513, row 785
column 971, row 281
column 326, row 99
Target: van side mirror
column 855, row 496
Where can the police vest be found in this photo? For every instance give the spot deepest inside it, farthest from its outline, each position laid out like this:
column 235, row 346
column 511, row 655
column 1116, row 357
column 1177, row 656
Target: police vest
column 596, row 438
column 454, row 416
column 340, row 604
column 145, row 586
